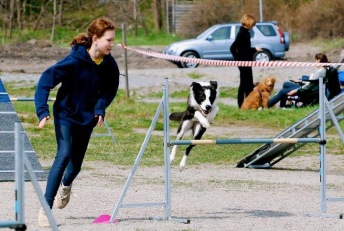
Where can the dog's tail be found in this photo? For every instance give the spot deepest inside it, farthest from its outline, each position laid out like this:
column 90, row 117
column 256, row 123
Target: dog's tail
column 176, row 116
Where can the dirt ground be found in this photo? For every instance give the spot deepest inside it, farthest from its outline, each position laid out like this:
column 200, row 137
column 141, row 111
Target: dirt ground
column 212, row 197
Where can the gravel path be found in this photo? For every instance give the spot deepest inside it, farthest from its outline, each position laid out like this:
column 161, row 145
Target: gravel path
column 212, row 197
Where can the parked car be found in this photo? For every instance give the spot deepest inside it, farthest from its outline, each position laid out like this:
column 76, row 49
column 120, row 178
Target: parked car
column 214, row 43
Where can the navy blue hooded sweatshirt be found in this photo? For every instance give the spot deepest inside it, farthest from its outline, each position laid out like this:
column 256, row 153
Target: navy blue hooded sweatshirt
column 86, row 90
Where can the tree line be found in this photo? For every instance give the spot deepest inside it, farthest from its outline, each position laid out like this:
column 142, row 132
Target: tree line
column 304, row 19
column 74, row 14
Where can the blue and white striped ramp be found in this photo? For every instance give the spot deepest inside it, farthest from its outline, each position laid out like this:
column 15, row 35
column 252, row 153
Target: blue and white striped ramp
column 8, row 117
column 271, row 153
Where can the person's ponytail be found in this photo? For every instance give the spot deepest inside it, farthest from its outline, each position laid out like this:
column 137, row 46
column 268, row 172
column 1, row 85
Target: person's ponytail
column 81, row 39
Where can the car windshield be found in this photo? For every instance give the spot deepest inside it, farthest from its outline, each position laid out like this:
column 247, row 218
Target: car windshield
column 205, row 32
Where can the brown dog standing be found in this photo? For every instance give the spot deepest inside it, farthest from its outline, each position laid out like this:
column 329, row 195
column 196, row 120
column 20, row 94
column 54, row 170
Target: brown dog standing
column 259, row 97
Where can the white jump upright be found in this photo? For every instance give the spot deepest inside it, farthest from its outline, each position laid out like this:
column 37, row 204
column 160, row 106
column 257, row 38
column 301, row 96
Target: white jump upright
column 22, row 161
column 323, row 103
column 167, row 202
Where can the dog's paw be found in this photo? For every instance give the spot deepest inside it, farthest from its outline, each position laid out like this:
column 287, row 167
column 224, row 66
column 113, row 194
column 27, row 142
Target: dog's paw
column 205, row 123
column 183, row 162
column 173, row 153
column 171, row 158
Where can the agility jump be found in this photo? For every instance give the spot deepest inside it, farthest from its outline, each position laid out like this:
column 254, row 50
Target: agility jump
column 322, row 142
column 245, row 141
column 167, row 143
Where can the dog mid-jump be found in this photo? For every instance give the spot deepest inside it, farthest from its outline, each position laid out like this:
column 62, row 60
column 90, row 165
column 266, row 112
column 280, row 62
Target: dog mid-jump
column 201, row 110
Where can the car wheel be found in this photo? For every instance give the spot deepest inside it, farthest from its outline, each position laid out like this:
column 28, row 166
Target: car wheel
column 189, row 54
column 179, row 64
column 263, row 55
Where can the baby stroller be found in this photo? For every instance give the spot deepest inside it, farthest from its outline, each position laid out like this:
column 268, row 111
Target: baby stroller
column 304, row 98
column 311, row 97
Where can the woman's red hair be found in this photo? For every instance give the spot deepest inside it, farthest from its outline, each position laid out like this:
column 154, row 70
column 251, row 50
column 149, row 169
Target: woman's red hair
column 96, row 28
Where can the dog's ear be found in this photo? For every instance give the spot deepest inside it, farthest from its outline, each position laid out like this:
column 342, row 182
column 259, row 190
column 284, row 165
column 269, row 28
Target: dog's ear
column 196, row 86
column 214, row 84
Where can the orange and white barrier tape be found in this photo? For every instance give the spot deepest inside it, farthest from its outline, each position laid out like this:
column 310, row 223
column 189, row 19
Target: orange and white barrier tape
column 228, row 63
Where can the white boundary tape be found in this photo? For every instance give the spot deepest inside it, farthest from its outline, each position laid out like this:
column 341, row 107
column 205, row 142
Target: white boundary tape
column 227, row 63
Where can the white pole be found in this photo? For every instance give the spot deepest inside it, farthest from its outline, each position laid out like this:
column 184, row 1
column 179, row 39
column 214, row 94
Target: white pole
column 167, row 17
column 19, row 175
column 322, row 129
column 167, row 152
column 261, row 10
column 124, row 37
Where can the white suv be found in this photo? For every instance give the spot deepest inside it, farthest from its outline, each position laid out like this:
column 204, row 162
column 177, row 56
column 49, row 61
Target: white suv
column 214, row 43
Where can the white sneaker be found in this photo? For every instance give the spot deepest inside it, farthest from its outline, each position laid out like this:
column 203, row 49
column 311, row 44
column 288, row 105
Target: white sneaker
column 63, row 196
column 42, row 218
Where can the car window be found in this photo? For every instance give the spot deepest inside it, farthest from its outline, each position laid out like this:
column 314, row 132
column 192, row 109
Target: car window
column 237, row 30
column 267, row 30
column 205, row 32
column 251, row 33
column 221, row 33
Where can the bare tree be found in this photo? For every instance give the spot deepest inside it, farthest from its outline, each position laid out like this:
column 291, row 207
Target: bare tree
column 19, row 21
column 25, row 5
column 135, row 16
column 60, row 18
column 11, row 17
column 122, row 7
column 141, row 20
column 41, row 13
column 54, row 22
column 158, row 14
column 3, row 14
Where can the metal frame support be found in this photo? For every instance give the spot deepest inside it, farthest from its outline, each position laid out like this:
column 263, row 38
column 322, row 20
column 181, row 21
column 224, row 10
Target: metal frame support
column 22, row 161
column 167, row 203
column 109, row 133
column 322, row 131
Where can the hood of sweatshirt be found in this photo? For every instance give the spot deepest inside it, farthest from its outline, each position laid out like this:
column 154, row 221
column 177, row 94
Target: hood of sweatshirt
column 80, row 52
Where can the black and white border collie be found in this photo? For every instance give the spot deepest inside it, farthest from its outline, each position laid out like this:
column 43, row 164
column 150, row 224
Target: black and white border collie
column 201, row 110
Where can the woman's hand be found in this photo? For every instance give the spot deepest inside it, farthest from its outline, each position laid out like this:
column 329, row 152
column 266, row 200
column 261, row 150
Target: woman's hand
column 100, row 120
column 259, row 49
column 296, row 81
column 292, row 92
column 42, row 122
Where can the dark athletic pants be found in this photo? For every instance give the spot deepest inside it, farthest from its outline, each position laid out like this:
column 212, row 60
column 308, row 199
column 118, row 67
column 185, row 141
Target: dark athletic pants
column 72, row 144
column 246, row 84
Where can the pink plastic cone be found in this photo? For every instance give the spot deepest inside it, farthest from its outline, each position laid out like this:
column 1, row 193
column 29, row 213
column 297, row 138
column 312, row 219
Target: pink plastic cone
column 102, row 219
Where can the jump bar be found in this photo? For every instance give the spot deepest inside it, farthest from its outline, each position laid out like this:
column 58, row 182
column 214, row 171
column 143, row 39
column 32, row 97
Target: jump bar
column 29, row 99
column 245, row 141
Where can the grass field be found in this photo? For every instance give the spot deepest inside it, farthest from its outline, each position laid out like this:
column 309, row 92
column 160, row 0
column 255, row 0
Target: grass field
column 128, row 116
